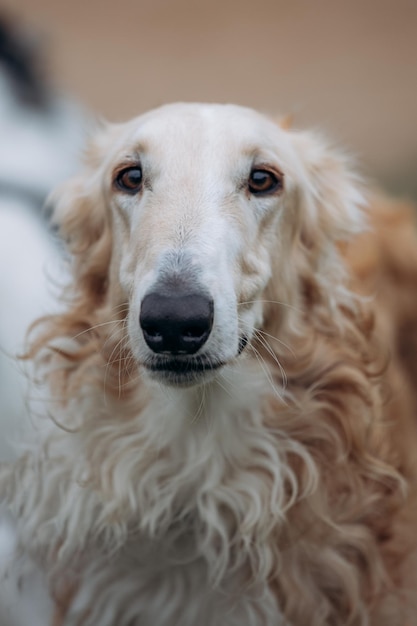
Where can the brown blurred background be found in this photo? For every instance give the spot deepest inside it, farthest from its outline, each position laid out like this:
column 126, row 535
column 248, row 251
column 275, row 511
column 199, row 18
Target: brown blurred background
column 349, row 68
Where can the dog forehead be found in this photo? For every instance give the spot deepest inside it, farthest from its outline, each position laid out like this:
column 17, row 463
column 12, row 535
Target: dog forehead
column 194, row 131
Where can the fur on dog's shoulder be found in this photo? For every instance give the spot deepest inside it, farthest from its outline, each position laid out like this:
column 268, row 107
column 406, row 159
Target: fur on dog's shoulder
column 232, row 401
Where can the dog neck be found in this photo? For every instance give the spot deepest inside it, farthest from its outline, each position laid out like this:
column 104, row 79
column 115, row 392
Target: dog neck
column 213, row 409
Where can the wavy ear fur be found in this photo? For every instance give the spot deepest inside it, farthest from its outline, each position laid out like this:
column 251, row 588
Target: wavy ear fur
column 330, row 207
column 82, row 219
column 330, row 194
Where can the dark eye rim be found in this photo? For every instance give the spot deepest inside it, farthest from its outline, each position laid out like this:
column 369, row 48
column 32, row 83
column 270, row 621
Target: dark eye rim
column 120, row 185
column 277, row 182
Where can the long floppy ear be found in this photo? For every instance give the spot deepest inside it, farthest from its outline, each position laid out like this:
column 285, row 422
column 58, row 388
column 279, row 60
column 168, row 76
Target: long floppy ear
column 80, row 214
column 332, row 202
column 329, row 209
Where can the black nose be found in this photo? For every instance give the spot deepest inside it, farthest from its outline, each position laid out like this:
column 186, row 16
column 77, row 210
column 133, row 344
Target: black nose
column 176, row 324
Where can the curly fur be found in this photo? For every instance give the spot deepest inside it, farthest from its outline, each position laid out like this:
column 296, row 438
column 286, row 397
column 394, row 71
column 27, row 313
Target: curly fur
column 282, row 490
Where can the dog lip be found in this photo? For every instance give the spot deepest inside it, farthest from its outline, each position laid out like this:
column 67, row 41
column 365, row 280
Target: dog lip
column 243, row 342
column 187, row 366
column 182, row 372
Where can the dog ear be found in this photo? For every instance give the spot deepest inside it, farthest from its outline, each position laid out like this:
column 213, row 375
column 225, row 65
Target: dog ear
column 328, row 209
column 82, row 219
column 330, row 194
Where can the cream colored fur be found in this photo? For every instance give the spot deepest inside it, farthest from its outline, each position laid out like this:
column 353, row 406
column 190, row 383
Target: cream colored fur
column 268, row 491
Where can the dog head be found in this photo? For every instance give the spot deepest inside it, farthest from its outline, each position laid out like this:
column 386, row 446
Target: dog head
column 199, row 216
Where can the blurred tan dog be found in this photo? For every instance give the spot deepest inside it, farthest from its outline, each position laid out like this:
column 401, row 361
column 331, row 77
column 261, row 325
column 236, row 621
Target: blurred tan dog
column 232, row 385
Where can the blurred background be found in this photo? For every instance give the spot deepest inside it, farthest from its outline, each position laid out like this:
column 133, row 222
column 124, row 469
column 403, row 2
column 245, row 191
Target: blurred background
column 348, row 68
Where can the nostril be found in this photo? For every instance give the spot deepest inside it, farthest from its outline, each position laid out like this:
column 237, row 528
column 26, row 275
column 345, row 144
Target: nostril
column 176, row 324
column 151, row 331
column 152, row 335
column 194, row 332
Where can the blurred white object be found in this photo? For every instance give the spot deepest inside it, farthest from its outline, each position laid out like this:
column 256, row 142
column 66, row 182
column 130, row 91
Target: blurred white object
column 41, row 140
column 27, row 257
column 23, row 598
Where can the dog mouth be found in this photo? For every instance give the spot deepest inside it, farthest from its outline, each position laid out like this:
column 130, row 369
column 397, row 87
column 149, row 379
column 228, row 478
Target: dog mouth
column 178, row 370
column 182, row 371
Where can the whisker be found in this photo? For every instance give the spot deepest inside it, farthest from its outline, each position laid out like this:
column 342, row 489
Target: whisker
column 131, row 365
column 286, row 304
column 121, row 329
column 270, row 351
column 90, row 328
column 121, row 305
column 285, row 345
column 266, row 372
column 226, row 388
column 110, row 361
column 200, row 408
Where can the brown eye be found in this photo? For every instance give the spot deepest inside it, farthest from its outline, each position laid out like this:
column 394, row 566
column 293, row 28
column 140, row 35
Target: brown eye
column 130, row 179
column 262, row 182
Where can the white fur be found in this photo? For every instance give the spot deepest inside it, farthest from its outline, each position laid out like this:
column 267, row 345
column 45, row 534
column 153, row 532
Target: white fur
column 192, row 464
column 166, row 505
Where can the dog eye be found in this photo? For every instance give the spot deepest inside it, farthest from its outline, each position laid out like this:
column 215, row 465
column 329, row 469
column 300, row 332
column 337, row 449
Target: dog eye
column 130, row 179
column 264, row 182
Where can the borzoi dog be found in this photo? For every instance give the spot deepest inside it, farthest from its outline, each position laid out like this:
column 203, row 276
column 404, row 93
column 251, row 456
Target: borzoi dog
column 232, row 433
